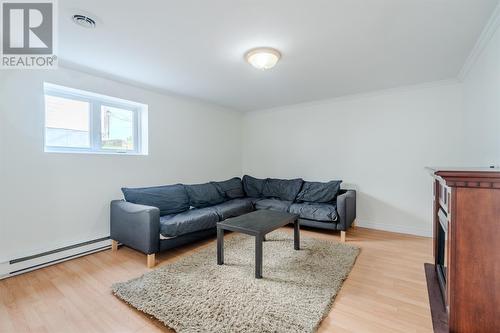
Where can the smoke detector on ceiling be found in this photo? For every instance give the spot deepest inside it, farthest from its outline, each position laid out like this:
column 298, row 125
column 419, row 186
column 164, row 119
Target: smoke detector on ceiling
column 84, row 21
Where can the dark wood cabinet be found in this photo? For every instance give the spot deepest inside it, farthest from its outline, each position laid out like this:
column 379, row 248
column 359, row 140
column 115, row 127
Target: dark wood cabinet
column 467, row 247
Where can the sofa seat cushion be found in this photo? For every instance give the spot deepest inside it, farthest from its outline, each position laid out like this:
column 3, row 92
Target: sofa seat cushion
column 204, row 195
column 189, row 221
column 233, row 208
column 273, row 204
column 319, row 192
column 284, row 189
column 169, row 199
column 231, row 188
column 315, row 211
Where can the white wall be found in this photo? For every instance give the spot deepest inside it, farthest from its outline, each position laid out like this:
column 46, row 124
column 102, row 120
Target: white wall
column 49, row 200
column 481, row 89
column 378, row 144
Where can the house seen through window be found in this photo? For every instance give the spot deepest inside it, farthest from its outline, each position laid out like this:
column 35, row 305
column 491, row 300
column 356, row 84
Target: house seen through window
column 79, row 121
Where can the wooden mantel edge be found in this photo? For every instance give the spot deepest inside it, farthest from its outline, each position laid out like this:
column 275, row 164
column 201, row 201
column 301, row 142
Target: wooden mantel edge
column 477, row 179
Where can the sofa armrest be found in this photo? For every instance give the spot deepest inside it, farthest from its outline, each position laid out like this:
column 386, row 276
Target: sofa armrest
column 136, row 226
column 346, row 208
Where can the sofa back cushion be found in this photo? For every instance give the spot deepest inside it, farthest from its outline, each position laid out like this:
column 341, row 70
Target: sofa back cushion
column 169, row 199
column 231, row 188
column 203, row 195
column 284, row 189
column 253, row 186
column 319, row 192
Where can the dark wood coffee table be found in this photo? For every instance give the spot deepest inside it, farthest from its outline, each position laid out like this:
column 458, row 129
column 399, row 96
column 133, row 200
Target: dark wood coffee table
column 258, row 224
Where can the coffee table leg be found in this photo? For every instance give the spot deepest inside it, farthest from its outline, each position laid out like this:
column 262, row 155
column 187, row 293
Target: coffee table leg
column 296, row 235
column 220, row 246
column 258, row 257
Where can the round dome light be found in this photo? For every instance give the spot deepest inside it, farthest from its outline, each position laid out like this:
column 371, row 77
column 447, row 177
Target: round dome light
column 263, row 57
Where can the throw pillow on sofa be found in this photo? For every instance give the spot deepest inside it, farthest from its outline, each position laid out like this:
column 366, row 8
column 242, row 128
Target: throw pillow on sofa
column 169, row 199
column 284, row 189
column 253, row 186
column 231, row 188
column 203, row 195
column 319, row 192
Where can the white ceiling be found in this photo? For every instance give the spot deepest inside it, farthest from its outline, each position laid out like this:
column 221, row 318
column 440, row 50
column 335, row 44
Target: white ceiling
column 330, row 47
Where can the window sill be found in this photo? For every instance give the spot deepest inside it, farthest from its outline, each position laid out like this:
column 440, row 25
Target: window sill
column 84, row 152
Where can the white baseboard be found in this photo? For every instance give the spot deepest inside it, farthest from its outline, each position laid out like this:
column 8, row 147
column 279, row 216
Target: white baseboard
column 27, row 264
column 402, row 229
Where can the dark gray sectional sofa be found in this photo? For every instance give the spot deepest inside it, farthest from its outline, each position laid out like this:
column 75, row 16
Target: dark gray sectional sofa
column 154, row 219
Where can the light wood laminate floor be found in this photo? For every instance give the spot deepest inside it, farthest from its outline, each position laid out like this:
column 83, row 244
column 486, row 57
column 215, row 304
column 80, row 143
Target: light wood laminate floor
column 385, row 292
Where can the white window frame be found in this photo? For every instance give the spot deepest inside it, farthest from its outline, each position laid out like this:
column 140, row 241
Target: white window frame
column 96, row 101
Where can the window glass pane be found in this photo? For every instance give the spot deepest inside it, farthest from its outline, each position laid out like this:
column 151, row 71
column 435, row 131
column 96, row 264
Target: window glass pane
column 117, row 128
column 66, row 122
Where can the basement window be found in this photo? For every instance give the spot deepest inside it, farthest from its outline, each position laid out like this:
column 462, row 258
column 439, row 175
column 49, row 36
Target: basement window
column 78, row 121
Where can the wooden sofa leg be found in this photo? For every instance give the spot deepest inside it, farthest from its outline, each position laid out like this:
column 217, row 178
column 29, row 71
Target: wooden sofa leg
column 114, row 245
column 342, row 236
column 151, row 260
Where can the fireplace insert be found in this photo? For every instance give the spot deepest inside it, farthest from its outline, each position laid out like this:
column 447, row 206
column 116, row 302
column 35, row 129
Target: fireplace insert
column 442, row 252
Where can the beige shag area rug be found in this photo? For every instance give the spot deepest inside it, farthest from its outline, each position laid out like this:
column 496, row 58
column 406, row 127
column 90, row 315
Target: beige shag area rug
column 194, row 294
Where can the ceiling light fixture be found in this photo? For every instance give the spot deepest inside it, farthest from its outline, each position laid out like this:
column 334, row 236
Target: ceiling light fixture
column 84, row 21
column 263, row 57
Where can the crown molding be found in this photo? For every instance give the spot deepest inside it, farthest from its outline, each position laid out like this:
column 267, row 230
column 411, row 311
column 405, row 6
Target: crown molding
column 481, row 44
column 363, row 95
column 72, row 66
